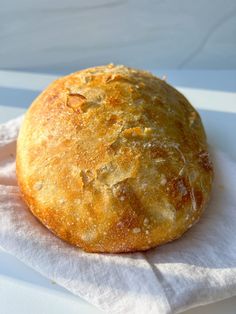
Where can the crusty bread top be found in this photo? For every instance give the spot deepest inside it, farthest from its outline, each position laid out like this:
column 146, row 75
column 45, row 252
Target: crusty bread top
column 114, row 159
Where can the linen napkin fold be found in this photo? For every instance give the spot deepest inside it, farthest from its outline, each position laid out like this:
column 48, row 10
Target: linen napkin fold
column 197, row 269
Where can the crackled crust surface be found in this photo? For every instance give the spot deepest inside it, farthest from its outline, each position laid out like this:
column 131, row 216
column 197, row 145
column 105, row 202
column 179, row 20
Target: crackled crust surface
column 113, row 159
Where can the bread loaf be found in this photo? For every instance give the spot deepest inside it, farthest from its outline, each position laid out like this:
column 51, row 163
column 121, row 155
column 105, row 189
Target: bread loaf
column 113, row 159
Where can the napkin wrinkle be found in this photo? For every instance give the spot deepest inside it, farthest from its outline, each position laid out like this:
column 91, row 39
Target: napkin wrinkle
column 197, row 269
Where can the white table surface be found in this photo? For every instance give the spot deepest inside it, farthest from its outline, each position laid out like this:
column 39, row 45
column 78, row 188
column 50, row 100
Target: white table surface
column 23, row 290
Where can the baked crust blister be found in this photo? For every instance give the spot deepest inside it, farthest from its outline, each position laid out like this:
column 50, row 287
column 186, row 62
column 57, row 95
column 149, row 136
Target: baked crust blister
column 113, row 159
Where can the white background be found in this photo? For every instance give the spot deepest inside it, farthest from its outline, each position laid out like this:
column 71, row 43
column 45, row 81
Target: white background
column 65, row 35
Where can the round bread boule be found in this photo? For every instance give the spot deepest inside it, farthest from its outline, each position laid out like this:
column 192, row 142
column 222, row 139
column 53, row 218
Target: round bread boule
column 113, row 159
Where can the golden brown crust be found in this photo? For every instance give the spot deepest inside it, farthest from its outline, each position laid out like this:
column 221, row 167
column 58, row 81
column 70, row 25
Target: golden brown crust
column 113, row 159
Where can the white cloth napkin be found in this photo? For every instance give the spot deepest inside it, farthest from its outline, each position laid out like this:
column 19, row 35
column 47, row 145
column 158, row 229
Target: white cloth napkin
column 197, row 269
